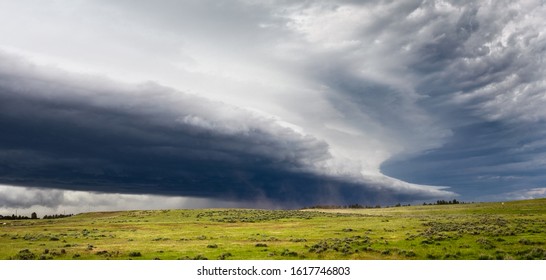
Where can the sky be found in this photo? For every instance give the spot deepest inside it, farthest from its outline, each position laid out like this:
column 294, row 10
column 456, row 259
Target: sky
column 113, row 105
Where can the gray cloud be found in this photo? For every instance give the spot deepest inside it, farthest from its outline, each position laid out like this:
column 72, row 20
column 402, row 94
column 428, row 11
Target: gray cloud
column 324, row 97
column 453, row 89
column 88, row 133
column 25, row 200
column 11, row 197
column 483, row 78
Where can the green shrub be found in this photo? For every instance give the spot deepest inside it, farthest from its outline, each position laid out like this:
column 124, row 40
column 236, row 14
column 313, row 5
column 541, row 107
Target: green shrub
column 200, row 257
column 298, row 240
column 135, row 254
column 25, row 254
column 485, row 244
column 224, row 256
column 289, row 253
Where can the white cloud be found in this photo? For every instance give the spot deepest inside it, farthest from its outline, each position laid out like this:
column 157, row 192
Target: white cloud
column 521, row 194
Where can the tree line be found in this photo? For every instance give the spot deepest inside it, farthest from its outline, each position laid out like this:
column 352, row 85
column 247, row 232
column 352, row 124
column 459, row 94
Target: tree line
column 34, row 216
column 444, row 202
column 359, row 206
column 350, row 206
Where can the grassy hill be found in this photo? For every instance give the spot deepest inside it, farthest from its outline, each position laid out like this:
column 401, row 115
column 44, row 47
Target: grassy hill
column 509, row 230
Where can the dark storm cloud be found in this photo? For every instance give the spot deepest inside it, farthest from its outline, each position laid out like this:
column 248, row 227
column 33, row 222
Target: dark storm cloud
column 88, row 133
column 483, row 75
column 456, row 89
column 489, row 157
column 439, row 93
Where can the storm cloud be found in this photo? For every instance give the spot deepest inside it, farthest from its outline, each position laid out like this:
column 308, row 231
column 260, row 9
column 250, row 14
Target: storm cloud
column 89, row 133
column 291, row 102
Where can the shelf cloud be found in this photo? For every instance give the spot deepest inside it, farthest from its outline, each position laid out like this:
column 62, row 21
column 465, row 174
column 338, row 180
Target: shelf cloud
column 272, row 103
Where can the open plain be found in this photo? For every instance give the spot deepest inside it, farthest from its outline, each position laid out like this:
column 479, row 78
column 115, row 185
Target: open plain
column 494, row 230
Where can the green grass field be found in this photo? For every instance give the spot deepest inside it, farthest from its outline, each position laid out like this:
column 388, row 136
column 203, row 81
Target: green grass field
column 513, row 230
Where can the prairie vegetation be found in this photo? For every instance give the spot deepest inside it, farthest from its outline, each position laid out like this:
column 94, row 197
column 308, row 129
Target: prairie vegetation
column 510, row 230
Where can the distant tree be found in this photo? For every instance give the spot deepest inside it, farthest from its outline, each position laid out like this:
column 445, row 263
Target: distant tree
column 355, row 206
column 33, row 215
column 57, row 216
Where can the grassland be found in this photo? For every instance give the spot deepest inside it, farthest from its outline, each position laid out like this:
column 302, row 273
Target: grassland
column 510, row 230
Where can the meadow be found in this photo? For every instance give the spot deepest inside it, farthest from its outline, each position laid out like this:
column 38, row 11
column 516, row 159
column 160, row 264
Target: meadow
column 509, row 230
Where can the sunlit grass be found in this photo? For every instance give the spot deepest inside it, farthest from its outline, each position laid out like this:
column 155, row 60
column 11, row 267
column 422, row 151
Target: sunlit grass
column 510, row 230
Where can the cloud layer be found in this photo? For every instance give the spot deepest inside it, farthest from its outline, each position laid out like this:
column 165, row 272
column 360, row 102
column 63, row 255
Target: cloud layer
column 88, row 133
column 24, row 201
column 295, row 102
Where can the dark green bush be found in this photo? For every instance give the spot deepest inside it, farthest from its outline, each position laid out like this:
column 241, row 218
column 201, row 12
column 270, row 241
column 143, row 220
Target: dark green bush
column 135, row 254
column 25, row 254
